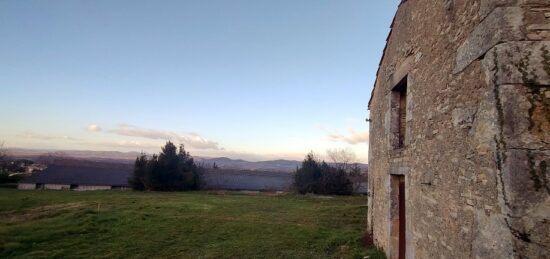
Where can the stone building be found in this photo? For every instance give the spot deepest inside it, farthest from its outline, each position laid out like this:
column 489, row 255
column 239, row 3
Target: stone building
column 460, row 131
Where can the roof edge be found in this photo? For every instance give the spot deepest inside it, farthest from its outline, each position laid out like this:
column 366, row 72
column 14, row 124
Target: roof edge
column 384, row 52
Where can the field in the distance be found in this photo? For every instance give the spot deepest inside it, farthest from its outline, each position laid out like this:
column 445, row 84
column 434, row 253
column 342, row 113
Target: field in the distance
column 111, row 224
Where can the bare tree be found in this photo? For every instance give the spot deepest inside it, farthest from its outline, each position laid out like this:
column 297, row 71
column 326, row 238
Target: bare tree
column 3, row 156
column 342, row 158
column 2, row 152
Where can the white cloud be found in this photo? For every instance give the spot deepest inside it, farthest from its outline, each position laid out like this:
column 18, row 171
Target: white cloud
column 353, row 137
column 93, row 128
column 131, row 145
column 192, row 140
column 31, row 135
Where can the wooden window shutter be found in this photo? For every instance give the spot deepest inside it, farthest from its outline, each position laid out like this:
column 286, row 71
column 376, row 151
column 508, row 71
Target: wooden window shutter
column 402, row 116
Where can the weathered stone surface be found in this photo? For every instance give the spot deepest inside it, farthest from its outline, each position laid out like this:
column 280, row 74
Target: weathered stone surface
column 526, row 188
column 525, row 62
column 475, row 161
column 463, row 117
column 493, row 237
column 502, row 24
column 486, row 6
column 525, row 116
column 525, row 182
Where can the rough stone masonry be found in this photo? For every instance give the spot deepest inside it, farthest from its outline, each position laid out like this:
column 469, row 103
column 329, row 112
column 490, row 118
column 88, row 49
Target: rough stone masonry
column 459, row 156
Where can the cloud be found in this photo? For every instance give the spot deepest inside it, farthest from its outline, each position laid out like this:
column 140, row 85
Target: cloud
column 192, row 140
column 93, row 128
column 31, row 135
column 132, row 144
column 353, row 137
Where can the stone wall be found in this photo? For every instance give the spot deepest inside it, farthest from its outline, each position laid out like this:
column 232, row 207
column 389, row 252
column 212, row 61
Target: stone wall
column 26, row 186
column 92, row 188
column 477, row 140
column 32, row 186
column 50, row 186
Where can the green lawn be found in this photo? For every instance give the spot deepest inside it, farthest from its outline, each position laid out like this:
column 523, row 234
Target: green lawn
column 116, row 224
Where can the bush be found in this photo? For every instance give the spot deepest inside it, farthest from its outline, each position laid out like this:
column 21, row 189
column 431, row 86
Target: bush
column 5, row 177
column 171, row 170
column 321, row 178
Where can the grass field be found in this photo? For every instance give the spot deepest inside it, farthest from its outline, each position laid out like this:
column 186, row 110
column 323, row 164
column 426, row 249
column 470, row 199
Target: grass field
column 110, row 224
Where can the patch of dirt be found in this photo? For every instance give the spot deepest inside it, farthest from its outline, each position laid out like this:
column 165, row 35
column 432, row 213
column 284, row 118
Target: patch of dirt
column 11, row 217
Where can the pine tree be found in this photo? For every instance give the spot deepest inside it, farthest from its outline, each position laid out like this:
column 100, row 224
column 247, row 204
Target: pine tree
column 306, row 177
column 140, row 171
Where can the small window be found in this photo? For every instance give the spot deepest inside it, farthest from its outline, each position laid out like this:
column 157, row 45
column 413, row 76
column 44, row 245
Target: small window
column 399, row 114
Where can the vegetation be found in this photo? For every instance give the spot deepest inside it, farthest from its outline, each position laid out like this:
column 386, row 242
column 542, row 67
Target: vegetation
column 321, row 178
column 118, row 224
column 171, row 170
column 10, row 170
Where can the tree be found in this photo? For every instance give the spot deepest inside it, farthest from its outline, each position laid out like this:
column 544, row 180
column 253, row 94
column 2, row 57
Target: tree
column 306, row 178
column 2, row 152
column 335, row 181
column 190, row 171
column 321, row 178
column 342, row 158
column 7, row 170
column 140, row 170
column 4, row 174
column 3, row 157
column 172, row 170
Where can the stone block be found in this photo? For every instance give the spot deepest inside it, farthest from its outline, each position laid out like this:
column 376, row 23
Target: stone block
column 525, row 181
column 502, row 24
column 526, row 192
column 491, row 238
column 525, row 112
column 525, row 62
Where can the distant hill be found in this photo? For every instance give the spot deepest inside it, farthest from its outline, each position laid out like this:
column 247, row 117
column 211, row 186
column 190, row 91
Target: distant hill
column 280, row 165
column 271, row 165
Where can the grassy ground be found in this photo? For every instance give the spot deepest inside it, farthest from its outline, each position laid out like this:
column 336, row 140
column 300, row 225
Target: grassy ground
column 35, row 224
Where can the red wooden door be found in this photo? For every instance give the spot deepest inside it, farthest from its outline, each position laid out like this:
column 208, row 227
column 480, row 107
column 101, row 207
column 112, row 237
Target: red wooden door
column 402, row 222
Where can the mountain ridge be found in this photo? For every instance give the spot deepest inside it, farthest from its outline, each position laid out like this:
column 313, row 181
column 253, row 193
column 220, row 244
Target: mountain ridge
column 277, row 165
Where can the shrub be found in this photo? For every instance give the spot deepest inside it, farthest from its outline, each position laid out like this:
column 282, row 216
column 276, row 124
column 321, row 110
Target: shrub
column 5, row 177
column 321, row 178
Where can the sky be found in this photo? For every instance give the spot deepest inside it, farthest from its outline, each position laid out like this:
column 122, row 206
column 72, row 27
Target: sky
column 249, row 79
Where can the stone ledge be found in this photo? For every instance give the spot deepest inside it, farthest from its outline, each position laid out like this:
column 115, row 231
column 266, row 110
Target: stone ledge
column 486, row 6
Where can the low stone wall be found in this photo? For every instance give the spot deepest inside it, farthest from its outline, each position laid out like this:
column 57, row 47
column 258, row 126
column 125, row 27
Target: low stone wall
column 91, row 188
column 50, row 186
column 32, row 186
column 26, row 186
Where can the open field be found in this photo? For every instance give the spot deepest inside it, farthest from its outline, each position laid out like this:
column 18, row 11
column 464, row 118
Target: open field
column 112, row 224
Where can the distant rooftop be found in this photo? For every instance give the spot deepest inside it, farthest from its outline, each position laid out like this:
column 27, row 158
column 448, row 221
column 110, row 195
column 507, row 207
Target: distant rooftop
column 59, row 174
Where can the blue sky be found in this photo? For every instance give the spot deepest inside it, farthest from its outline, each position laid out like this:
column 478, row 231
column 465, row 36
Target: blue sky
column 252, row 79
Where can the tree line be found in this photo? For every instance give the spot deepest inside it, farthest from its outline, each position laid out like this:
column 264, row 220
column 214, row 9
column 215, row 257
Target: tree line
column 174, row 169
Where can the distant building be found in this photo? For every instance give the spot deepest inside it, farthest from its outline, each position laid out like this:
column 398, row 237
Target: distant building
column 77, row 178
column 460, row 131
